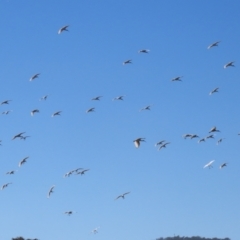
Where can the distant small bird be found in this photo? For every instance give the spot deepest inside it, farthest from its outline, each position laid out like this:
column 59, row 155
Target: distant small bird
column 122, row 195
column 5, row 185
column 43, row 98
column 64, row 28
column 127, row 62
column 24, row 137
column 19, row 135
column 7, row 112
column 11, row 172
column 185, row 136
column 144, row 51
column 137, row 142
column 90, row 110
column 220, row 140
column 177, row 79
column 214, row 91
column 69, row 213
column 194, row 136
column 223, row 165
column 209, row 165
column 34, row 111
column 159, row 143
column 51, row 191
column 34, row 77
column 118, row 98
column 201, row 140
column 163, row 145
column 213, row 129
column 230, row 64
column 95, row 230
column 145, row 108
column 210, row 136
column 5, row 102
column 96, row 98
column 24, row 160
column 83, row 171
column 215, row 44
column 58, row 113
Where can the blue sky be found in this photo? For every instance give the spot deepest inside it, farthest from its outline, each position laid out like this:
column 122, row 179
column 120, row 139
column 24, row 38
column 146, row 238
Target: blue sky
column 170, row 192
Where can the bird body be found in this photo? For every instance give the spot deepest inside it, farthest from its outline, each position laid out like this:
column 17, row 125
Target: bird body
column 5, row 102
column 230, row 64
column 5, row 185
column 145, row 108
column 34, row 77
column 90, row 110
column 19, row 135
column 96, row 98
column 209, row 165
column 122, row 195
column 177, row 78
column 214, row 91
column 24, row 160
column 215, row 44
column 118, row 98
column 163, row 145
column 34, row 111
column 144, row 51
column 223, row 165
column 58, row 113
column 137, row 142
column 82, row 172
column 127, row 62
column 51, row 191
column 64, row 28
column 213, row 129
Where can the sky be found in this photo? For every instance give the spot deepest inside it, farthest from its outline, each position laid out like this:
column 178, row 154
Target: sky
column 170, row 191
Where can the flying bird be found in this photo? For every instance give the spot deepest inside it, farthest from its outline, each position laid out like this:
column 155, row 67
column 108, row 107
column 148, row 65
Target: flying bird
column 95, row 230
column 58, row 113
column 24, row 137
column 7, row 112
column 34, row 111
column 24, row 160
column 96, row 98
column 64, row 28
column 209, row 165
column 215, row 44
column 83, row 171
column 126, row 62
column 201, row 140
column 159, row 143
column 137, row 142
column 230, row 64
column 34, row 77
column 51, row 191
column 5, row 102
column 19, row 135
column 213, row 129
column 90, row 110
column 69, row 213
column 5, row 185
column 214, row 91
column 185, row 136
column 163, row 145
column 145, row 108
column 122, row 195
column 144, row 51
column 11, row 172
column 194, row 136
column 223, row 165
column 118, row 98
column 219, row 141
column 177, row 79
column 210, row 136
column 43, row 98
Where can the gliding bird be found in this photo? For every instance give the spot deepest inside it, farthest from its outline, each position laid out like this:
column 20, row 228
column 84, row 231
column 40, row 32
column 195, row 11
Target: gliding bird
column 230, row 64
column 122, row 195
column 209, row 165
column 137, row 141
column 34, row 77
column 64, row 28
column 214, row 91
column 51, row 191
column 215, row 44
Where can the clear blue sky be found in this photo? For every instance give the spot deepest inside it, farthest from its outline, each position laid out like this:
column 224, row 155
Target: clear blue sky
column 170, row 191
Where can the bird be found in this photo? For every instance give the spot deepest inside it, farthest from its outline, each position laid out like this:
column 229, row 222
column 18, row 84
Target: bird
column 96, row 98
column 145, row 108
column 68, row 174
column 209, row 165
column 159, row 143
column 122, row 195
column 34, row 77
column 7, row 112
column 64, row 28
column 43, row 98
column 219, row 141
column 34, row 111
column 215, row 44
column 90, row 110
column 201, row 140
column 230, row 64
column 24, row 137
column 11, row 172
column 177, row 79
column 58, row 113
column 118, row 98
column 163, row 145
column 213, row 129
column 194, row 136
column 5, row 102
column 95, row 230
column 210, row 136
column 51, row 191
column 223, row 165
column 5, row 185
column 69, row 213
column 137, row 142
column 19, row 135
column 126, row 62
column 185, row 136
column 83, row 171
column 24, row 160
column 214, row 91
column 144, row 51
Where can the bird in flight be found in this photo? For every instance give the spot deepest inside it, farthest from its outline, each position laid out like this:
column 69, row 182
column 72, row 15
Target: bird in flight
column 185, row 136
column 34, row 77
column 126, row 62
column 5, row 185
column 118, row 98
column 11, row 172
column 51, row 191
column 137, row 142
column 201, row 140
column 177, row 79
column 122, row 195
column 24, row 160
column 159, row 143
column 5, row 102
column 230, row 64
column 219, row 141
column 145, row 108
column 24, row 137
column 19, row 135
column 194, row 136
column 223, row 165
column 210, row 136
column 144, row 51
column 64, row 28
column 215, row 44
column 96, row 98
column 7, row 112
column 58, row 113
column 163, row 145
column 209, row 165
column 214, row 91
column 34, row 111
column 43, row 98
column 90, row 110
column 82, row 172
column 69, row 213
column 95, row 230
column 214, row 129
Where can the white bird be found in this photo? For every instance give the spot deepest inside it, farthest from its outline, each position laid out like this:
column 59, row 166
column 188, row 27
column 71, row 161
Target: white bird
column 34, row 77
column 34, row 111
column 214, row 91
column 177, row 78
column 144, row 51
column 122, row 195
column 51, row 191
column 215, row 44
column 137, row 142
column 64, row 28
column 19, row 135
column 223, row 165
column 58, row 113
column 24, row 160
column 209, row 165
column 118, row 98
column 126, row 62
column 5, row 102
column 145, row 108
column 230, row 64
column 5, row 185
column 95, row 230
column 90, row 110
column 96, row 98
column 213, row 129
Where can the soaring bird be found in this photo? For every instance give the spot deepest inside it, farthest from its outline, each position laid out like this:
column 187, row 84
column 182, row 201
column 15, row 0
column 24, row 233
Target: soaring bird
column 159, row 143
column 215, row 44
column 34, row 77
column 145, row 108
column 24, row 160
column 5, row 185
column 7, row 112
column 90, row 110
column 19, row 135
column 223, row 165
column 122, row 195
column 34, row 111
column 11, row 172
column 194, row 136
column 144, row 51
column 185, row 136
column 58, row 113
column 96, row 98
column 51, row 191
column 137, row 142
column 201, row 140
column 213, row 129
column 230, row 64
column 163, row 145
column 219, row 141
column 24, row 137
column 209, row 165
column 69, row 213
column 177, row 78
column 210, row 136
column 95, row 230
column 43, row 97
column 64, row 28
column 83, row 171
column 118, row 98
column 214, row 91
column 126, row 62
column 5, row 102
